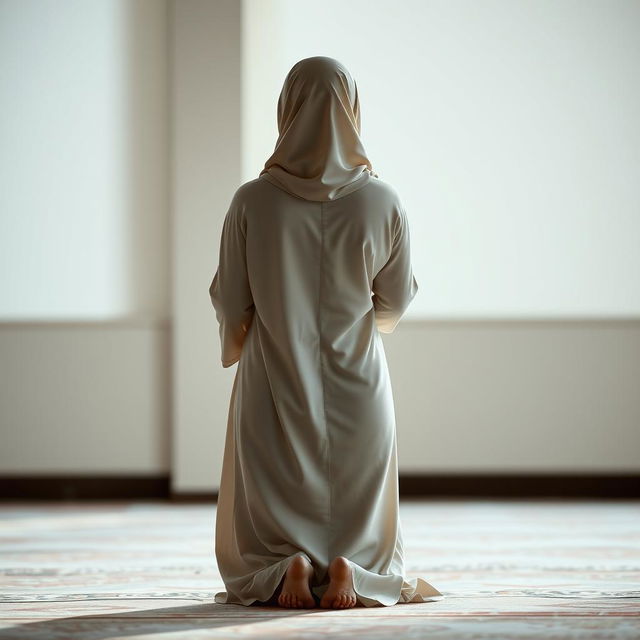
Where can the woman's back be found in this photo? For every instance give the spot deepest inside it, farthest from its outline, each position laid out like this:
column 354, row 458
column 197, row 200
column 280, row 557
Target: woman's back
column 321, row 270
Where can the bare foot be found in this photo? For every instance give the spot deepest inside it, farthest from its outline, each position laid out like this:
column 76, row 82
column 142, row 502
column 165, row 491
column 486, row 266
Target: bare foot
column 340, row 593
column 295, row 592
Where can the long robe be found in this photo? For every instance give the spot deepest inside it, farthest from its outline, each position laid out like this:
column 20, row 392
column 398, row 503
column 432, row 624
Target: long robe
column 302, row 293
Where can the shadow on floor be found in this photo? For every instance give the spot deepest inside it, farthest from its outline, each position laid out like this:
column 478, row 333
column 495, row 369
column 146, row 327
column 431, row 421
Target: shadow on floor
column 149, row 621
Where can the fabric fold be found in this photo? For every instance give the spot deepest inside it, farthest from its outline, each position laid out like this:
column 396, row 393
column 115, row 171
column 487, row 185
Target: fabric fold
column 374, row 589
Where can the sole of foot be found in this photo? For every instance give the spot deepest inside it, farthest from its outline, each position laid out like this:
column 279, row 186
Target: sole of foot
column 296, row 593
column 340, row 593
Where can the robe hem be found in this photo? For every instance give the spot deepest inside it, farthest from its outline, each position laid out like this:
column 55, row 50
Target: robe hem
column 406, row 591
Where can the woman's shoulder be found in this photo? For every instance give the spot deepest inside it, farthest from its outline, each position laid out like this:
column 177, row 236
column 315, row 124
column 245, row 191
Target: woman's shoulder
column 384, row 187
column 247, row 189
column 246, row 194
column 384, row 193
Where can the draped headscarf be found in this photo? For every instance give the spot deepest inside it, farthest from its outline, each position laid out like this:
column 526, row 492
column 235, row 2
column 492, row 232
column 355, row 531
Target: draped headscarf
column 319, row 154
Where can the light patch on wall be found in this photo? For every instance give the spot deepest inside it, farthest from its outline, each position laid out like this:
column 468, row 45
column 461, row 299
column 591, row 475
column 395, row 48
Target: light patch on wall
column 510, row 130
column 83, row 161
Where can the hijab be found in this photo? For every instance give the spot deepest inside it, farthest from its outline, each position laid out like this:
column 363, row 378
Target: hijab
column 319, row 154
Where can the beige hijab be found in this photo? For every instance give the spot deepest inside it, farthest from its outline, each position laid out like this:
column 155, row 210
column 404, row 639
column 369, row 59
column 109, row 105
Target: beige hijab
column 319, row 155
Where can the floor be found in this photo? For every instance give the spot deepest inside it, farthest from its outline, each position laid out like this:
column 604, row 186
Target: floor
column 508, row 569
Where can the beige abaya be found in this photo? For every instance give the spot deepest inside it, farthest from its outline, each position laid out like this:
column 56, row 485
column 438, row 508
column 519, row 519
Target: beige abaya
column 314, row 264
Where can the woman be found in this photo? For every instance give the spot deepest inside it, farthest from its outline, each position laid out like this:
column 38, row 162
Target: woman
column 314, row 264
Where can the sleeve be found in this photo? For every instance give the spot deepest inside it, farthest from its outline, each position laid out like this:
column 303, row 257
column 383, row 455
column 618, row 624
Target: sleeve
column 230, row 292
column 394, row 286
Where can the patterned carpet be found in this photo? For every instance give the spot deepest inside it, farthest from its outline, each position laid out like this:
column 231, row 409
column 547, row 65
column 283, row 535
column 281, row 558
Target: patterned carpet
column 507, row 569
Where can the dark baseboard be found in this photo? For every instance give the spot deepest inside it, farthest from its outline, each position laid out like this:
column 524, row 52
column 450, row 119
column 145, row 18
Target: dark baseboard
column 625, row 486
column 521, row 485
column 84, row 487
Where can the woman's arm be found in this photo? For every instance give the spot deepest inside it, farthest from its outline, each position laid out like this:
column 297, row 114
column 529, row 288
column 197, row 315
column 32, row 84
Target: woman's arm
column 394, row 286
column 230, row 292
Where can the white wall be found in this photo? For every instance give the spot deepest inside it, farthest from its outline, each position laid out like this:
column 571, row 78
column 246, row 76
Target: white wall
column 509, row 127
column 84, row 237
column 116, row 110
column 84, row 159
